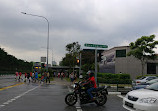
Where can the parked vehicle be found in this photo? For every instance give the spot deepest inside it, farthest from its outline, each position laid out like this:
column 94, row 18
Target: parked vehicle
column 143, row 99
column 144, row 85
column 80, row 93
column 143, row 80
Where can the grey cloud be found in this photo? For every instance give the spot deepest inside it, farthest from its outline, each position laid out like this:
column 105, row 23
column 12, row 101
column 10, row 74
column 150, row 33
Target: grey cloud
column 90, row 21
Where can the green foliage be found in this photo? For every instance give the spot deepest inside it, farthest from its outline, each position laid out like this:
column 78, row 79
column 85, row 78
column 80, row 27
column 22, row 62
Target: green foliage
column 88, row 60
column 142, row 49
column 73, row 48
column 70, row 57
column 109, row 78
column 10, row 64
column 87, row 67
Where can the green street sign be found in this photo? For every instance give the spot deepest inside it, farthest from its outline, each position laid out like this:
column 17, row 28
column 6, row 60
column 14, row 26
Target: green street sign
column 96, row 45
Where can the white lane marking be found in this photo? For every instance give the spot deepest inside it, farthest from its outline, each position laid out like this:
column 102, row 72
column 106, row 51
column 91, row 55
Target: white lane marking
column 11, row 100
column 78, row 107
column 2, row 106
column 120, row 96
column 17, row 97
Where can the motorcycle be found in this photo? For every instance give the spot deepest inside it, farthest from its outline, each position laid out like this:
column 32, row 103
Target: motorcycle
column 80, row 92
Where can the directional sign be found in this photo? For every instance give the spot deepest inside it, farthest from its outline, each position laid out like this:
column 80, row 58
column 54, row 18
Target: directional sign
column 96, row 45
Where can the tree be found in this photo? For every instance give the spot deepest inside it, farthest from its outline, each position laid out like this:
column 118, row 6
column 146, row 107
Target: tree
column 70, row 57
column 73, row 48
column 88, row 60
column 142, row 49
column 10, row 63
column 67, row 60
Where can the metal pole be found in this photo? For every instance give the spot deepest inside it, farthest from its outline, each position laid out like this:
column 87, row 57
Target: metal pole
column 96, row 65
column 80, row 64
column 47, row 35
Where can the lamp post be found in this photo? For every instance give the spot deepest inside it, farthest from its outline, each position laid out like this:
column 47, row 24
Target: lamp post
column 47, row 35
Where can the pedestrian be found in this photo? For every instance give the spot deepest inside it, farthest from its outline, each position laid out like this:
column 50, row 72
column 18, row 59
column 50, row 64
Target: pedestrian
column 62, row 75
column 42, row 77
column 48, row 77
column 16, row 74
column 45, row 76
column 75, row 78
column 28, row 77
column 54, row 74
column 59, row 75
column 71, row 77
column 20, row 74
column 36, row 76
column 31, row 76
column 25, row 77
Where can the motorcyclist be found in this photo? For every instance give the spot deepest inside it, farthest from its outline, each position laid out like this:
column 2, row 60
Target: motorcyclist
column 92, row 82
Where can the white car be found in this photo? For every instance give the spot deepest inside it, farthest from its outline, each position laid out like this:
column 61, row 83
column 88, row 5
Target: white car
column 143, row 99
column 143, row 79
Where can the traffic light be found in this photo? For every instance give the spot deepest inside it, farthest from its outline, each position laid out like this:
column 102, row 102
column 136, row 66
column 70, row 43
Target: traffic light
column 78, row 62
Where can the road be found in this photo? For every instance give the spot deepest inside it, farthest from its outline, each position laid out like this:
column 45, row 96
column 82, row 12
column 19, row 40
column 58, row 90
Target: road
column 46, row 97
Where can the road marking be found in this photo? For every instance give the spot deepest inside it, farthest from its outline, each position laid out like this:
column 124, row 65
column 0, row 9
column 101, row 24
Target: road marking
column 15, row 98
column 10, row 86
column 2, row 106
column 78, row 107
column 121, row 96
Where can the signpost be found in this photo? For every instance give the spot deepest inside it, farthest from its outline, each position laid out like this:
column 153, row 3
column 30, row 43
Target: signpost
column 96, row 46
column 43, row 59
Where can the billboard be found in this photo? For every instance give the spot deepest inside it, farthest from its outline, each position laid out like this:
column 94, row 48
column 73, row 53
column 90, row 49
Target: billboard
column 43, row 59
column 107, row 65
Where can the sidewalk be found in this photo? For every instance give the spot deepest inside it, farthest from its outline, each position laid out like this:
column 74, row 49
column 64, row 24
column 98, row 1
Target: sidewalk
column 61, row 82
column 65, row 82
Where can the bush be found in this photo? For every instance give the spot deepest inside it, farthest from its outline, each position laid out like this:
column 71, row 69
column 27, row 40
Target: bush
column 124, row 76
column 114, row 78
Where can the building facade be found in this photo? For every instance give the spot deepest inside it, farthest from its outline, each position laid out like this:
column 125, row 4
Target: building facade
column 115, row 60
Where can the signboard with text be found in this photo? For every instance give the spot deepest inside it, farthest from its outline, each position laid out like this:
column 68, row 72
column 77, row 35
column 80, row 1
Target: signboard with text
column 43, row 59
column 95, row 45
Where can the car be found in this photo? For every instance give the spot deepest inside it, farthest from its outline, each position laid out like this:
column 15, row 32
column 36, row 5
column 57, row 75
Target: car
column 143, row 79
column 142, row 99
column 143, row 85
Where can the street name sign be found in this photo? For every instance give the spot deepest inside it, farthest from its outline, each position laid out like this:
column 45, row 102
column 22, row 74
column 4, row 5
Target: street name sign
column 95, row 45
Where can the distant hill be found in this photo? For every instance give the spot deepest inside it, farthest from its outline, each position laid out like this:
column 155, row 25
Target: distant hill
column 10, row 64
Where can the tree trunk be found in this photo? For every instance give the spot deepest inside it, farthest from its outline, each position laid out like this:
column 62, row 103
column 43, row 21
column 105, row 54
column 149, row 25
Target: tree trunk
column 143, row 64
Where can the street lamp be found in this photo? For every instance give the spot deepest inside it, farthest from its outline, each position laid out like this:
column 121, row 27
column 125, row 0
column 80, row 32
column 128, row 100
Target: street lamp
column 47, row 35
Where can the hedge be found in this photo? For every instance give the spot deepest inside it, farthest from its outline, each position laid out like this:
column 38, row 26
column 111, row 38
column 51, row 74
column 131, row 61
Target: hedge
column 113, row 78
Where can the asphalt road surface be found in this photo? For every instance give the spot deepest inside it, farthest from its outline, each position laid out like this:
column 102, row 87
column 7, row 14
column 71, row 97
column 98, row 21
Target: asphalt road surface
column 19, row 96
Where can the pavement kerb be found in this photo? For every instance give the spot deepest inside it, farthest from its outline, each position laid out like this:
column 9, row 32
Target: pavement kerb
column 114, row 93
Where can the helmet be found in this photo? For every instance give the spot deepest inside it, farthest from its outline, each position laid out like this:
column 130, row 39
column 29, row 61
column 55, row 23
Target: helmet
column 89, row 72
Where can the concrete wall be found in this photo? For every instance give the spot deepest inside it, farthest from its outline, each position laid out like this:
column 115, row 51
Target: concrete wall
column 129, row 64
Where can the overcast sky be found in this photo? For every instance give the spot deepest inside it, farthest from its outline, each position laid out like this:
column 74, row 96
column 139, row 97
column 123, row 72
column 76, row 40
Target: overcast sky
column 110, row 22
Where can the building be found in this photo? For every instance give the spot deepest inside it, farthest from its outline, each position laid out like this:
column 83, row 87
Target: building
column 54, row 63
column 115, row 60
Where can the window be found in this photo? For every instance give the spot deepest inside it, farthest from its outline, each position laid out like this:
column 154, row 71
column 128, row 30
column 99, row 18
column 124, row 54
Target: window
column 121, row 53
column 151, row 68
